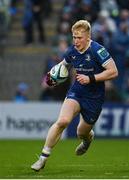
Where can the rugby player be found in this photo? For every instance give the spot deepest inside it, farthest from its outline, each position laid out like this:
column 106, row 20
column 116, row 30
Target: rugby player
column 93, row 65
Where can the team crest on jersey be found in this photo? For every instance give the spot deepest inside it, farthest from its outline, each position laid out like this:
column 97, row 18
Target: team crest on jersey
column 103, row 53
column 87, row 57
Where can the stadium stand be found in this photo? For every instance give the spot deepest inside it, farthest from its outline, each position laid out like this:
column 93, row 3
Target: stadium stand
column 27, row 64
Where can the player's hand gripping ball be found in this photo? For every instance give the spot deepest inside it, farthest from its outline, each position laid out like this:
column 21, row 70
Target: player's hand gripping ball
column 49, row 80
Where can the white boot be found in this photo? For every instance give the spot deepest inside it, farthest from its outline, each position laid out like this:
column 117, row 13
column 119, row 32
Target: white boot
column 39, row 164
column 83, row 147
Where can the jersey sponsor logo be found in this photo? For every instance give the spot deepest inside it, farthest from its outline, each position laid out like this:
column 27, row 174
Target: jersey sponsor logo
column 85, row 70
column 103, row 53
column 87, row 58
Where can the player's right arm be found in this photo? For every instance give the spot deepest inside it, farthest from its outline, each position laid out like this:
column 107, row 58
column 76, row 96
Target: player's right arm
column 49, row 81
column 64, row 62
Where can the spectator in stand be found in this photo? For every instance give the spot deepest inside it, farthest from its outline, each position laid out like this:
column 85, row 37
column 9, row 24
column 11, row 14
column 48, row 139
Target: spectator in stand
column 21, row 94
column 37, row 10
column 88, row 10
column 103, row 28
column 13, row 7
column 120, row 46
column 111, row 6
column 28, row 22
column 72, row 7
column 47, row 8
column 62, row 46
column 34, row 14
column 123, row 17
column 64, row 24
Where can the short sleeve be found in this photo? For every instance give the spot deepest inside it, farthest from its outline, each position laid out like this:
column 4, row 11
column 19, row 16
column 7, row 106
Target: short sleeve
column 66, row 58
column 67, row 55
column 101, row 54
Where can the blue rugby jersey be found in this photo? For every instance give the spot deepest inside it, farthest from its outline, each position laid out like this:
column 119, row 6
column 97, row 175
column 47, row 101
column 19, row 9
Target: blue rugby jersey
column 88, row 63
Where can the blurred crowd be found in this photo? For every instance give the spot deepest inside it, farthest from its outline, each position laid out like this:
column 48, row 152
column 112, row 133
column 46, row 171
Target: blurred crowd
column 35, row 11
column 110, row 27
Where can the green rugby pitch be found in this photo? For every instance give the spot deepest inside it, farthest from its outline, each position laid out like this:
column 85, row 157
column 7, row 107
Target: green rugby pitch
column 106, row 159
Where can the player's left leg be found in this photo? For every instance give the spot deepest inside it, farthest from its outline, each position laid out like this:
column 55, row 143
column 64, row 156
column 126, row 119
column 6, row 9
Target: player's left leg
column 84, row 132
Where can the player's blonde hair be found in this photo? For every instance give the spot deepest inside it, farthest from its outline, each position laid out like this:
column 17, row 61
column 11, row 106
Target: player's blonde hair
column 82, row 24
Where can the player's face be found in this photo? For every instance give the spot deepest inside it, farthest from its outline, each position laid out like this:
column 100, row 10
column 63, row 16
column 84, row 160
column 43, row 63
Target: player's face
column 80, row 39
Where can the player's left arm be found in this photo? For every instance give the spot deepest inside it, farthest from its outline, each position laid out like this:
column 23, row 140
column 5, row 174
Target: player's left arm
column 110, row 72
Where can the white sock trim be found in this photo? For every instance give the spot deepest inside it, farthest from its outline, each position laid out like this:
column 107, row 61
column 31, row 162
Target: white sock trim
column 43, row 157
column 46, row 150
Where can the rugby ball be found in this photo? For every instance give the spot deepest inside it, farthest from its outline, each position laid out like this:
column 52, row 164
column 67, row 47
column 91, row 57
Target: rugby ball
column 59, row 73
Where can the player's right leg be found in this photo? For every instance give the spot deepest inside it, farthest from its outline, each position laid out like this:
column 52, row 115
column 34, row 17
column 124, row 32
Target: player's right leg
column 70, row 108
